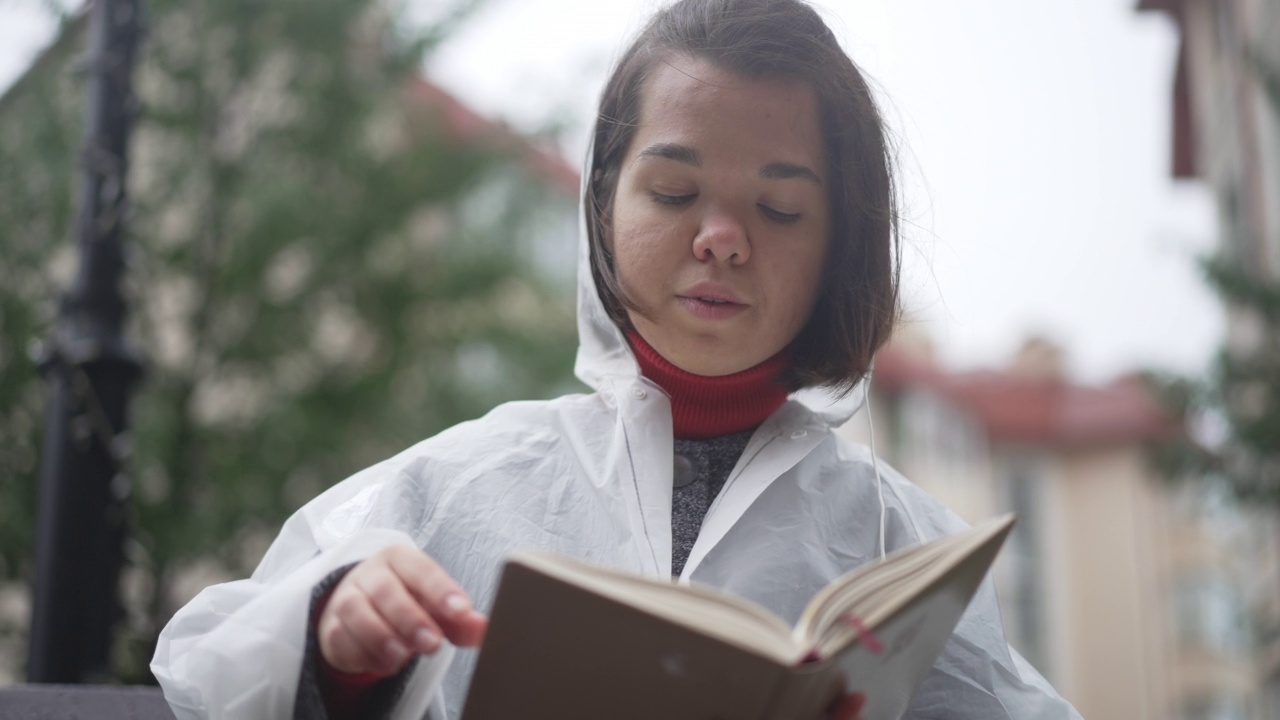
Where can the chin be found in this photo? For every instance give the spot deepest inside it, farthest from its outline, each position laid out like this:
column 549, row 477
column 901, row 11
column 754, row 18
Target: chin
column 703, row 355
column 709, row 366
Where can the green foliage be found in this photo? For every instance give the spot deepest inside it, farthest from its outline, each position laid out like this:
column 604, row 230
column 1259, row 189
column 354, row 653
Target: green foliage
column 1245, row 386
column 1266, row 72
column 1243, row 391
column 40, row 127
column 310, row 283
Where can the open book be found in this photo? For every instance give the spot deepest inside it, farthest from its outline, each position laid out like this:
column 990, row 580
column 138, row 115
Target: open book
column 568, row 640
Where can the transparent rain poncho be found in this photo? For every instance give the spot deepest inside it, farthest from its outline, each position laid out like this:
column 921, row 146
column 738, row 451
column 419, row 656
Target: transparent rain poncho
column 589, row 476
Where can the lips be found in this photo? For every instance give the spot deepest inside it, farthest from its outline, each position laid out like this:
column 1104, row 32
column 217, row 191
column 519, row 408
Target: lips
column 712, row 293
column 711, row 301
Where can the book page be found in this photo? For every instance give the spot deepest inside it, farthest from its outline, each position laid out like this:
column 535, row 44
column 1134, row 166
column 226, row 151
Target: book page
column 876, row 591
column 889, row 670
column 869, row 596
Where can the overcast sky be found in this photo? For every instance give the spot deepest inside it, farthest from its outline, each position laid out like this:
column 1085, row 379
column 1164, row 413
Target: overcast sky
column 1034, row 146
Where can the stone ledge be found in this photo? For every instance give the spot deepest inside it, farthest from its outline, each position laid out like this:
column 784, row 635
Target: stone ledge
column 83, row 702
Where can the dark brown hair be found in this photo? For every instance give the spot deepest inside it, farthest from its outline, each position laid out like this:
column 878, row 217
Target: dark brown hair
column 858, row 302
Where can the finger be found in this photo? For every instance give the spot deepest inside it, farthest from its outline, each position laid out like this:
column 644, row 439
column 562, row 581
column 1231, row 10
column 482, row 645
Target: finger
column 383, row 651
column 341, row 651
column 847, row 706
column 400, row 610
column 440, row 595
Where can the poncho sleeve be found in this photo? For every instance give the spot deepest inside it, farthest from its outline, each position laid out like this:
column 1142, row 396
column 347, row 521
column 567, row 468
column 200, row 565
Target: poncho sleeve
column 237, row 649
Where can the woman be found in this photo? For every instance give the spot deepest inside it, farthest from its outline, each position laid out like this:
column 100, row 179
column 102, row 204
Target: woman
column 738, row 273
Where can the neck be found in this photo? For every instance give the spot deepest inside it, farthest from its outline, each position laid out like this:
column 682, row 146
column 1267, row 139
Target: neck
column 705, row 407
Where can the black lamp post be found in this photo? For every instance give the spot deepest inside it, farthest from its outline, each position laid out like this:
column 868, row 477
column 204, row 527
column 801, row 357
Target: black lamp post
column 91, row 371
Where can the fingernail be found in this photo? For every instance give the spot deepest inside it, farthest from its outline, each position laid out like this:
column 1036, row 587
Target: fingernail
column 427, row 641
column 397, row 650
column 456, row 604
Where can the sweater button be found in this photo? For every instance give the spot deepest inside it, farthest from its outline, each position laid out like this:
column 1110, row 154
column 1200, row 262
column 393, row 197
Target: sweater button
column 639, row 393
column 797, row 434
column 683, row 473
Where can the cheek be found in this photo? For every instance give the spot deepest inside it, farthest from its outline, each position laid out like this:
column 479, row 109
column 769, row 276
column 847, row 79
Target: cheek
column 637, row 246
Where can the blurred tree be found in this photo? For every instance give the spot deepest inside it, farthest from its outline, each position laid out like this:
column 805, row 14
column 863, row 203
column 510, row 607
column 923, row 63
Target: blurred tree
column 1243, row 391
column 324, row 270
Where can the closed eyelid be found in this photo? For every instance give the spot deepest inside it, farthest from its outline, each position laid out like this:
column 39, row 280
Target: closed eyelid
column 779, row 215
column 672, row 198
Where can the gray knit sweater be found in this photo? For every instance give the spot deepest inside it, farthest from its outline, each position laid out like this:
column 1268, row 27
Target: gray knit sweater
column 701, row 468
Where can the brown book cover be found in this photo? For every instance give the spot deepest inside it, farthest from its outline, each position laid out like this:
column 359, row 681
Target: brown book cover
column 568, row 640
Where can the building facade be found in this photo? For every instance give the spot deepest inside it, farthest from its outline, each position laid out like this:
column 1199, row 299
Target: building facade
column 1126, row 588
column 1226, row 133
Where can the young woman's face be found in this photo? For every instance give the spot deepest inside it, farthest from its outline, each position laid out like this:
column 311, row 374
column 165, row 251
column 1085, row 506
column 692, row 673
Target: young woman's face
column 720, row 221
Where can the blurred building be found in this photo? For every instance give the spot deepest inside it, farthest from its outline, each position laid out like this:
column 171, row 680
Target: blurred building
column 1226, row 128
column 1125, row 588
column 1226, row 133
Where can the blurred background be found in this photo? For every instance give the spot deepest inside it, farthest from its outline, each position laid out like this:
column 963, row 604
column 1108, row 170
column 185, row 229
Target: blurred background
column 351, row 223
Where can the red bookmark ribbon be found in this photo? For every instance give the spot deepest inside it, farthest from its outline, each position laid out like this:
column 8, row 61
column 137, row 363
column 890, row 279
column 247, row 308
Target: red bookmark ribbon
column 864, row 633
column 864, row 636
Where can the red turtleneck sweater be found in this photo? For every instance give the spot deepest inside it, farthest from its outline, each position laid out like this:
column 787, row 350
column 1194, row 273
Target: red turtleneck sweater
column 705, row 407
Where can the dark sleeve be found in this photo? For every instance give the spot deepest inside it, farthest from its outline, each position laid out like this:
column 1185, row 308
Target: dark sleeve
column 321, row 694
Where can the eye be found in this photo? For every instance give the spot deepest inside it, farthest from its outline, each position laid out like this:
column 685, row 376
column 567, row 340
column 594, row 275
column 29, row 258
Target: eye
column 778, row 215
column 673, row 199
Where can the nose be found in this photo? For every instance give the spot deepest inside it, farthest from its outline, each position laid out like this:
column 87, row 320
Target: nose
column 723, row 238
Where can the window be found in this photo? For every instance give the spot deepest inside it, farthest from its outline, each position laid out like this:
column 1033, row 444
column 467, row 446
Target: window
column 1209, row 616
column 1271, row 695
column 1216, row 707
column 1025, row 590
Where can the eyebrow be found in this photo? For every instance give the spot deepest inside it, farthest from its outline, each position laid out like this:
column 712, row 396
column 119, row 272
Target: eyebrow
column 689, row 156
column 673, row 151
column 788, row 171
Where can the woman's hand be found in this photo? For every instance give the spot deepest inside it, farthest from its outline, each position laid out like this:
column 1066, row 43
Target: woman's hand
column 847, row 707
column 395, row 604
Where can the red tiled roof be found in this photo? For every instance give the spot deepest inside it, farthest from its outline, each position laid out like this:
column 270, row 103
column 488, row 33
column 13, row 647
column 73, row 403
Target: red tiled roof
column 469, row 126
column 1015, row 408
